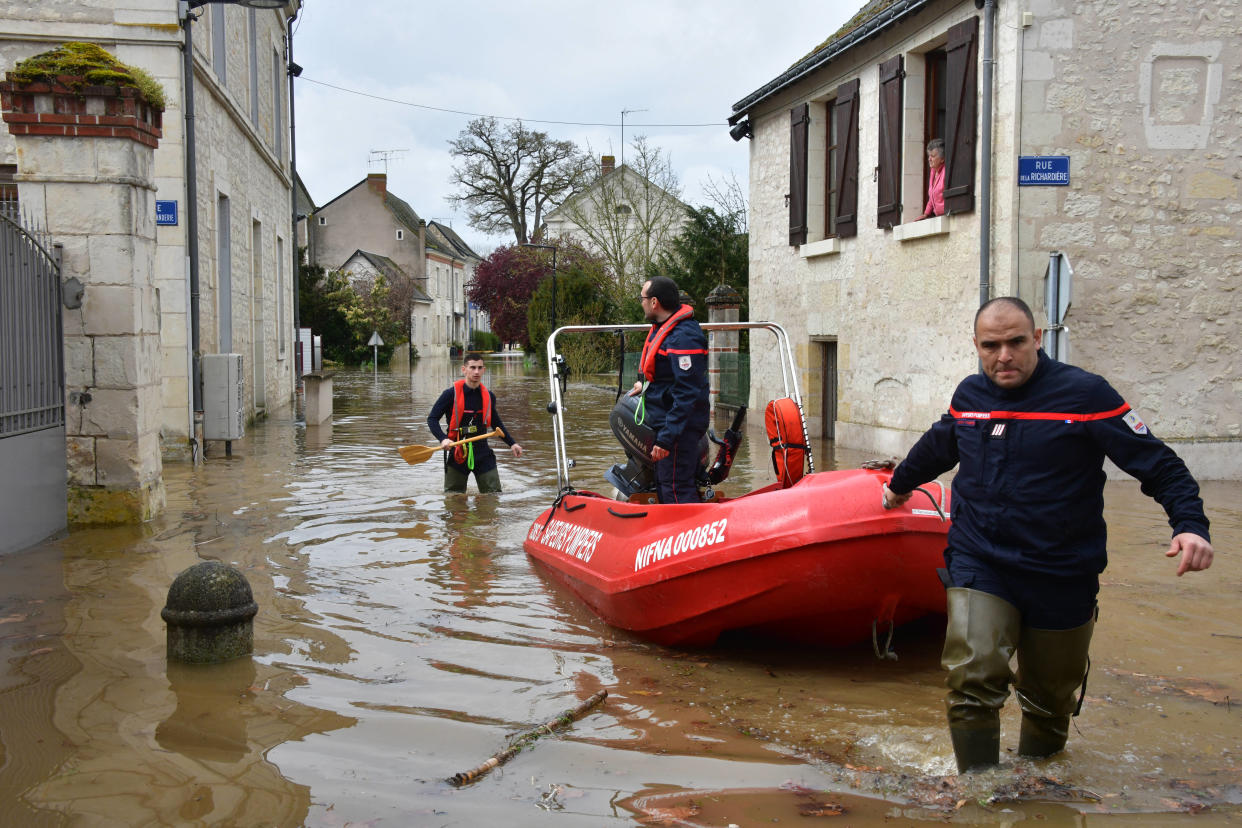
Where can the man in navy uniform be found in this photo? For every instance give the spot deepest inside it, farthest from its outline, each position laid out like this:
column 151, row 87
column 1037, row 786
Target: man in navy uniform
column 1029, row 436
column 676, row 394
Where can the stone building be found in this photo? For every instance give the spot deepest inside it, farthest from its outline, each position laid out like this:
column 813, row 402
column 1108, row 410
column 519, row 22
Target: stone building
column 1136, row 112
column 245, row 243
column 109, row 184
column 368, row 218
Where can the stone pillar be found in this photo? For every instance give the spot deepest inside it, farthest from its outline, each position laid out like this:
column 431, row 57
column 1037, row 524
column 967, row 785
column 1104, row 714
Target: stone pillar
column 724, row 304
column 85, row 172
column 318, row 396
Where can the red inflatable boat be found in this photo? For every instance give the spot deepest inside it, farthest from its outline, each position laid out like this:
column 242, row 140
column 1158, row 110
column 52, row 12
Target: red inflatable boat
column 814, row 557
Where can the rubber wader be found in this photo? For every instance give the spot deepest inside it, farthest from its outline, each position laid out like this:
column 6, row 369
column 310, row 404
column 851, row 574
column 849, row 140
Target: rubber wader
column 979, row 642
column 1052, row 665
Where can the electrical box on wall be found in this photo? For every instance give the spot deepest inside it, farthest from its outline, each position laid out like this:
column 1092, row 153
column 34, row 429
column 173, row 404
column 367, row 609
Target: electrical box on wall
column 224, row 385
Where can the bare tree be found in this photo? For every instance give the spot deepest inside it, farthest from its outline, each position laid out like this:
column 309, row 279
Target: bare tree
column 509, row 177
column 728, row 199
column 630, row 214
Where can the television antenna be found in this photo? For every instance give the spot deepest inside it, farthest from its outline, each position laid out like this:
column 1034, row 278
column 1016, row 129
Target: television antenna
column 625, row 112
column 382, row 156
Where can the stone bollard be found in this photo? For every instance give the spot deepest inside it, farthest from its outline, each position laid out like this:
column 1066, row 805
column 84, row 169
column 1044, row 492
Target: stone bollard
column 318, row 396
column 210, row 614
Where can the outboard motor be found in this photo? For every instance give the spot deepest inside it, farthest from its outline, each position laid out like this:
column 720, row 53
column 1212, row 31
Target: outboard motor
column 638, row 473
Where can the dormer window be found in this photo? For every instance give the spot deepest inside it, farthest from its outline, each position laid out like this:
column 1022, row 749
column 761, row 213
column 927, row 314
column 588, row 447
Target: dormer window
column 623, row 210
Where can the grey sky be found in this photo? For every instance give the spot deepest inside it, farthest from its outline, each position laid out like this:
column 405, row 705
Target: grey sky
column 683, row 61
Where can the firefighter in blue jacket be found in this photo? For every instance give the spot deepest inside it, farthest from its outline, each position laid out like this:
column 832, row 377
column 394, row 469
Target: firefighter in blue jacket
column 676, row 393
column 1029, row 436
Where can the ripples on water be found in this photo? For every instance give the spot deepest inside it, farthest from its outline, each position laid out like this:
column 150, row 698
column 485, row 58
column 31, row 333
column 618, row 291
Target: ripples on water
column 404, row 635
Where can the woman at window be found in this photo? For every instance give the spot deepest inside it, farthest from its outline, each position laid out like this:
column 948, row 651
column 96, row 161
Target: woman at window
column 935, row 180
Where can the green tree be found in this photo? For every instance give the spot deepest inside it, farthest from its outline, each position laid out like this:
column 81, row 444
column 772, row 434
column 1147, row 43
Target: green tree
column 712, row 249
column 583, row 297
column 372, row 313
column 509, row 177
column 324, row 299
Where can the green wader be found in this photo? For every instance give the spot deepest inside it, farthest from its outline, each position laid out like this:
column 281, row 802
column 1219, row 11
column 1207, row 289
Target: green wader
column 982, row 634
column 1052, row 666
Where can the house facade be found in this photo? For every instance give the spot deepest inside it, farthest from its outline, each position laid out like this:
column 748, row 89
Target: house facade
column 1106, row 136
column 367, row 217
column 243, row 178
column 623, row 216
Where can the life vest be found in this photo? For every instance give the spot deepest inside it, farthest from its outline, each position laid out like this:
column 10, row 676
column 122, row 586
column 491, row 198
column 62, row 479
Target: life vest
column 783, row 419
column 461, row 453
column 646, row 363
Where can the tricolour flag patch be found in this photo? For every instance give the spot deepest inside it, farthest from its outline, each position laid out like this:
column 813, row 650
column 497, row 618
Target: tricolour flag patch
column 1135, row 422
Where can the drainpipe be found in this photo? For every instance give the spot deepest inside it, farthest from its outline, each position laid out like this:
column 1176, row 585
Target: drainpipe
column 191, row 233
column 293, row 71
column 985, row 172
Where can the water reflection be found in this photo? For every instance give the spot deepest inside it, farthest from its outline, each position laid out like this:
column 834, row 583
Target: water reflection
column 403, row 635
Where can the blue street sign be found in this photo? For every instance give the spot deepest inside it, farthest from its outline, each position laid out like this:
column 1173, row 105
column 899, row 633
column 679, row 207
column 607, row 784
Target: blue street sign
column 1043, row 171
column 165, row 212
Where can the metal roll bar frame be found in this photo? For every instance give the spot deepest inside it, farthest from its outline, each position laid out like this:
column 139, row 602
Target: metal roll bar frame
column 556, row 408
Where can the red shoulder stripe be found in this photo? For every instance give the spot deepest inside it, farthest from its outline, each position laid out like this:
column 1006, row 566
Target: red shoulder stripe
column 1038, row 415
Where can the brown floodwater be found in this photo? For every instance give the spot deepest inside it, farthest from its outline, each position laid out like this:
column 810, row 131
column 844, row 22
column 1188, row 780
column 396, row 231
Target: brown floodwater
column 403, row 636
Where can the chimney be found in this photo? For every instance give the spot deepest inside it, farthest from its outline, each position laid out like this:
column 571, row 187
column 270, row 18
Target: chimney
column 607, row 163
column 422, row 249
column 378, row 182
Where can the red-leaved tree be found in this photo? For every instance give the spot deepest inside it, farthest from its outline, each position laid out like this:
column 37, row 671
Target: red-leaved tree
column 502, row 287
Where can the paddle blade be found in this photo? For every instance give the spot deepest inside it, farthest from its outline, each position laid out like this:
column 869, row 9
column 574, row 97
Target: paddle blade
column 417, row 454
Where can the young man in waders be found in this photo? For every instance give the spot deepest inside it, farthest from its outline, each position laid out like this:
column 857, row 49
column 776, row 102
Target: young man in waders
column 675, row 389
column 1029, row 436
column 471, row 411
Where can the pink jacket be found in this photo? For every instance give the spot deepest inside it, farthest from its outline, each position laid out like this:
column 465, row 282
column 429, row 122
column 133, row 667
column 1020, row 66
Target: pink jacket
column 935, row 193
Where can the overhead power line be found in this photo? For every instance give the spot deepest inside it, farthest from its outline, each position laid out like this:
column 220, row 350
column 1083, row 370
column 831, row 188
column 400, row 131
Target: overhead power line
column 305, row 79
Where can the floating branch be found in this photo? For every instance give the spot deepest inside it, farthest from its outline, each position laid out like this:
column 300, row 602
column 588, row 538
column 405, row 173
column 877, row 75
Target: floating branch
column 565, row 719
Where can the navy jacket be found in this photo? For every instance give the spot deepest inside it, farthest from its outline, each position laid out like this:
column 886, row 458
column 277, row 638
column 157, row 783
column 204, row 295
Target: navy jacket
column 1029, row 490
column 678, row 399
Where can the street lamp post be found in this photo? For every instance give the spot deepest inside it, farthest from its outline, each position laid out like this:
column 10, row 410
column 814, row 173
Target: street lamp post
column 551, row 247
column 186, row 9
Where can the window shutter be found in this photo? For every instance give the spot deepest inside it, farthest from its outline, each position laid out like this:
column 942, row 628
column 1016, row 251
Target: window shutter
column 799, row 127
column 961, row 68
column 845, row 111
column 888, row 175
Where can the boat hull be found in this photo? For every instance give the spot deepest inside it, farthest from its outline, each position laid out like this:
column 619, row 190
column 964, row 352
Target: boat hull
column 820, row 561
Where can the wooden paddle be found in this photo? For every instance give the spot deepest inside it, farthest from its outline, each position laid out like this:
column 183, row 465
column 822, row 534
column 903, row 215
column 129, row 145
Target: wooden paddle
column 417, row 454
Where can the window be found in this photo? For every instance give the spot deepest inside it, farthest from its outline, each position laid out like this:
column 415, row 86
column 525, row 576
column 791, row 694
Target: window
column 323, row 221
column 400, row 234
column 623, row 210
column 254, row 67
column 280, row 294
column 219, row 52
column 278, row 106
column 224, row 273
column 962, row 94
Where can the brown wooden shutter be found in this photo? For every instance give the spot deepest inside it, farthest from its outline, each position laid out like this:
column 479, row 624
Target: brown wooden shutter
column 888, row 212
column 845, row 111
column 961, row 69
column 799, row 128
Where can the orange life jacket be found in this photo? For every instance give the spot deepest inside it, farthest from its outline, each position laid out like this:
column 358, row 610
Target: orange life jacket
column 459, row 412
column 784, row 423
column 651, row 347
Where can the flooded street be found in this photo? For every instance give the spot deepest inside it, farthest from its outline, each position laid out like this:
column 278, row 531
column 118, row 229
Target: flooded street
column 403, row 635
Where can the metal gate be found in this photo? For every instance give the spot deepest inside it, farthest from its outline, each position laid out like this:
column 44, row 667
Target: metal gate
column 32, row 385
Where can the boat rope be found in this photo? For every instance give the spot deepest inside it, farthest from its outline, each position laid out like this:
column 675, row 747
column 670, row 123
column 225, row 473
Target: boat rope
column 934, row 504
column 556, row 504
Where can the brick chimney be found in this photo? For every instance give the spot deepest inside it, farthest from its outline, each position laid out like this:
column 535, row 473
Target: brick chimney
column 378, row 182
column 607, row 163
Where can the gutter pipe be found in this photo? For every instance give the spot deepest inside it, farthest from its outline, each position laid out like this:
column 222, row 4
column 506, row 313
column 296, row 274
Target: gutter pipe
column 985, row 151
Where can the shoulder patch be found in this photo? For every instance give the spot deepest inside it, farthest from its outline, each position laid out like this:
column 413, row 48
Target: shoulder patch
column 684, row 362
column 1135, row 422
